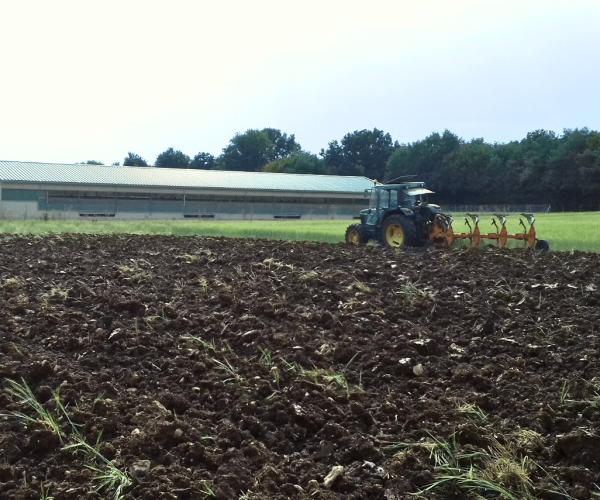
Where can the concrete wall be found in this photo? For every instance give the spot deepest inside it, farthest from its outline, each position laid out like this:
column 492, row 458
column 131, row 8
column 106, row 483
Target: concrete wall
column 15, row 210
column 19, row 210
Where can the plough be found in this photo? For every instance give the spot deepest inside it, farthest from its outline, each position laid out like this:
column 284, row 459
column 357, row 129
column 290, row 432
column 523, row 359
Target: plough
column 442, row 232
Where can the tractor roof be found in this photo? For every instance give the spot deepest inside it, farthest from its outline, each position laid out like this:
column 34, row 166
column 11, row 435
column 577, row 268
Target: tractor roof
column 412, row 188
column 417, row 191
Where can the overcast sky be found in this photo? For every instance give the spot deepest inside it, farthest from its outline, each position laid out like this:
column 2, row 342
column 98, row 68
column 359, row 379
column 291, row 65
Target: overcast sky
column 82, row 80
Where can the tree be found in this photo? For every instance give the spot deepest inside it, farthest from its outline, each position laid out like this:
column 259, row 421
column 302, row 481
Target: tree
column 370, row 150
column 335, row 161
column 423, row 158
column 91, row 162
column 204, row 161
column 363, row 152
column 537, row 146
column 589, row 170
column 253, row 149
column 463, row 169
column 302, row 163
column 172, row 159
column 562, row 169
column 593, row 142
column 133, row 160
column 283, row 146
column 501, row 178
column 247, row 152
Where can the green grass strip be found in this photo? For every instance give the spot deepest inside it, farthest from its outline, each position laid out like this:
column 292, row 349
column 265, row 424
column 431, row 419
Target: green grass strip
column 564, row 231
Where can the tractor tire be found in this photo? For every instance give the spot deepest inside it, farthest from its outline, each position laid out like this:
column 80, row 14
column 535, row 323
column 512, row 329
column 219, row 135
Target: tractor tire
column 542, row 246
column 356, row 235
column 398, row 232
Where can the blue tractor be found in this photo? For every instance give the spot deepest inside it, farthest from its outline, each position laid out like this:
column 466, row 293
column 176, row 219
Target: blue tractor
column 399, row 215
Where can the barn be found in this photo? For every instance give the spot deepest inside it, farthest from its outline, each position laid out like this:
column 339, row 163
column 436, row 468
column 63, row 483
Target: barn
column 80, row 191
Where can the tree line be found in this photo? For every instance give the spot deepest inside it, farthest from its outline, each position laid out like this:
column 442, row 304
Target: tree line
column 544, row 167
column 362, row 152
column 561, row 170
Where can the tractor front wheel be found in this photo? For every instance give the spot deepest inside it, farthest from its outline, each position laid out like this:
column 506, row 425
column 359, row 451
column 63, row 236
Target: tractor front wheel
column 355, row 235
column 398, row 231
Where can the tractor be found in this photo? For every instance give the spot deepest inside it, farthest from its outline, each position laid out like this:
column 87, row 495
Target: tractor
column 400, row 215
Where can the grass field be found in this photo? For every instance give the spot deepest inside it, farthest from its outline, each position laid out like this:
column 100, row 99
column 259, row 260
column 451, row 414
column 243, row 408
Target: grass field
column 564, row 231
column 570, row 230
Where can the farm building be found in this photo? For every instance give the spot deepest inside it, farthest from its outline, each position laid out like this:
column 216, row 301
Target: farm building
column 76, row 191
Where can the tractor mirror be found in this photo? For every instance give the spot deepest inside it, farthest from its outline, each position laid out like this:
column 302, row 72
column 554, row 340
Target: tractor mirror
column 367, row 193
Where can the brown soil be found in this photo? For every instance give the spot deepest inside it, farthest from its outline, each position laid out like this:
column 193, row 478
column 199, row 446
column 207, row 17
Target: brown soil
column 424, row 339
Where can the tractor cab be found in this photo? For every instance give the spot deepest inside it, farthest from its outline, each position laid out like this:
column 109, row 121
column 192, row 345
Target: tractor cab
column 398, row 215
column 380, row 201
column 409, row 199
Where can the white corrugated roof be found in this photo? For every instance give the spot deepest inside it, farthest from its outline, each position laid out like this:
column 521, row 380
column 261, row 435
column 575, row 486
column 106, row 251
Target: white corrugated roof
column 103, row 175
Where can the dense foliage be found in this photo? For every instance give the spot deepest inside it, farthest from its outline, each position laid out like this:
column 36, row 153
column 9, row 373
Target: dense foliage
column 204, row 161
column 362, row 152
column 172, row 159
column 562, row 170
column 252, row 150
column 91, row 162
column 302, row 163
column 133, row 160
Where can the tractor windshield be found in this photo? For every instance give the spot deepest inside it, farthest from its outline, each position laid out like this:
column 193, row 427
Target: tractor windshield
column 384, row 198
column 373, row 200
column 388, row 198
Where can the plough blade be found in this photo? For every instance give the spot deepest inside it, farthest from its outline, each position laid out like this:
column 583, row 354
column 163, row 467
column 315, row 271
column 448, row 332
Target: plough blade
column 443, row 233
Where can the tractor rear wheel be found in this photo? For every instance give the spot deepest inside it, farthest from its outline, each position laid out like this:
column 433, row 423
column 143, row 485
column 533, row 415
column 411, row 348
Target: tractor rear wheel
column 398, row 231
column 542, row 246
column 356, row 235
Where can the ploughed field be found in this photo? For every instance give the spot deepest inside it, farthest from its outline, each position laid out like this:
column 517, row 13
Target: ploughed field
column 161, row 367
